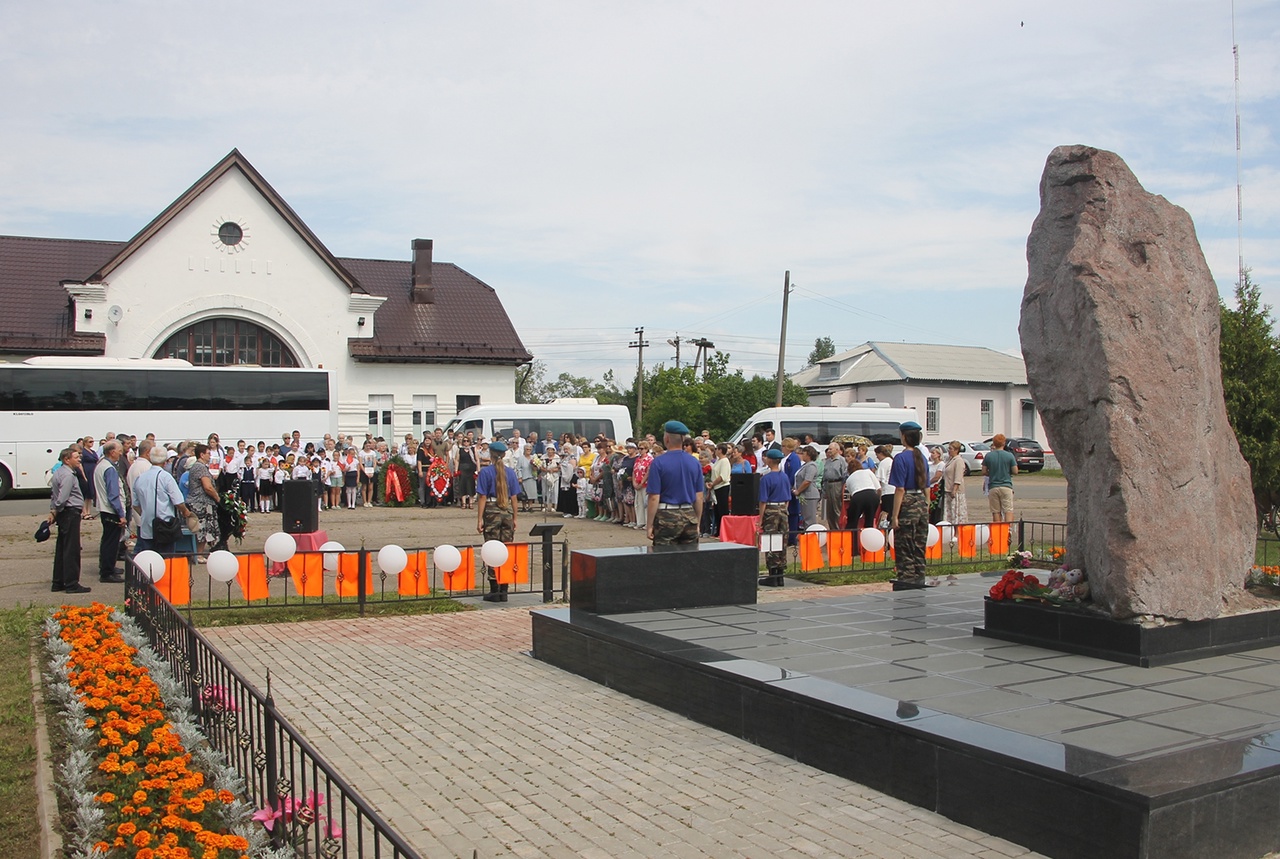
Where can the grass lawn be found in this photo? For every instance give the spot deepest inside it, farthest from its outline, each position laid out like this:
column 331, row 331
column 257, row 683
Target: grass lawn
column 331, row 609
column 19, row 826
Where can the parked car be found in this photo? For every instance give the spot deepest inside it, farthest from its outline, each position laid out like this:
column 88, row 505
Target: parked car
column 972, row 452
column 1027, row 451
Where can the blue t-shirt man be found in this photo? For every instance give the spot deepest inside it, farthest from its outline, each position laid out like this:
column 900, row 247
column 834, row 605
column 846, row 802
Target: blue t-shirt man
column 675, row 478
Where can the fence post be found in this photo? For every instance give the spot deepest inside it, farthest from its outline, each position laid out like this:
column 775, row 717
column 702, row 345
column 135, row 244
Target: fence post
column 1022, row 543
column 361, row 572
column 270, row 728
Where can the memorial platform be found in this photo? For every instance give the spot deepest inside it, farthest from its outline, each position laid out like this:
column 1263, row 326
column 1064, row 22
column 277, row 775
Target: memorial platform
column 1066, row 754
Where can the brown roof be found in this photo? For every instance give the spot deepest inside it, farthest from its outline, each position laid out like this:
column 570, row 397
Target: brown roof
column 466, row 325
column 35, row 310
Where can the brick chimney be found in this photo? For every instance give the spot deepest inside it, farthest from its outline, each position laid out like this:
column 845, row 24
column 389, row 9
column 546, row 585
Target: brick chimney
column 423, row 291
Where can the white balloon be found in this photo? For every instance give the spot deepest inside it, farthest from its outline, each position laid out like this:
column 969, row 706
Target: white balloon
column 981, row 534
column 447, row 558
column 935, row 534
column 392, row 559
column 494, row 553
column 871, row 539
column 222, row 566
column 891, row 544
column 821, row 531
column 280, row 547
column 331, row 550
column 151, row 563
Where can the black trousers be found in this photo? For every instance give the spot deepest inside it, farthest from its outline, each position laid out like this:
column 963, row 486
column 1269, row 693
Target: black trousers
column 862, row 506
column 66, row 551
column 109, row 548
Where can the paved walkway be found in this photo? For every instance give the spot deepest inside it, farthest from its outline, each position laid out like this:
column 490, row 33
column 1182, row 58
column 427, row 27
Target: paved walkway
column 464, row 742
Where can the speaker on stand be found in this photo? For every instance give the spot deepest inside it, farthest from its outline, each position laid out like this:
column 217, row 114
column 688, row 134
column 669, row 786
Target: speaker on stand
column 744, row 494
column 299, row 506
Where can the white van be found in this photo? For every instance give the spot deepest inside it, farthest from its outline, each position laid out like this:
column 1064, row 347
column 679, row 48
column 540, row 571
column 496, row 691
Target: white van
column 578, row 415
column 876, row 421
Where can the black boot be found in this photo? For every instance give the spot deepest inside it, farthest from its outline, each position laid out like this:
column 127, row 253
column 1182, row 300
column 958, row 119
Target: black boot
column 502, row 593
column 493, row 595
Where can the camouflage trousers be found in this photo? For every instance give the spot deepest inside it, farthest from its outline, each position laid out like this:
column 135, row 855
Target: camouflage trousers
column 910, row 537
column 675, row 525
column 775, row 522
column 499, row 524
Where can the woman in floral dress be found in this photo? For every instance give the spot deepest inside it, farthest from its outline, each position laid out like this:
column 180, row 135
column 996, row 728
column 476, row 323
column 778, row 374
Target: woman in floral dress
column 202, row 498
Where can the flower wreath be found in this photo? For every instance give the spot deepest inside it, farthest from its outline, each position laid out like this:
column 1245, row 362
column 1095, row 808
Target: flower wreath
column 399, row 488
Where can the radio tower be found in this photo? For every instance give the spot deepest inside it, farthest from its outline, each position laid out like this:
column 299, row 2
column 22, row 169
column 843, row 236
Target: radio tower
column 1235, row 54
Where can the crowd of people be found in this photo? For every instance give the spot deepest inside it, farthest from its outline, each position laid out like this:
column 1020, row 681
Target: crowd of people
column 213, row 487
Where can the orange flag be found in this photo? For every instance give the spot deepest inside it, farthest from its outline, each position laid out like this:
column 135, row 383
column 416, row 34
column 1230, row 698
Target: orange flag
column 347, row 581
column 252, row 577
column 463, row 578
column 307, row 570
column 516, row 570
column 840, row 548
column 175, row 585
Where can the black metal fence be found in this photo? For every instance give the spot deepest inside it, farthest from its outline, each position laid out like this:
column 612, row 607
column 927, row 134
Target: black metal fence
column 985, row 546
column 354, row 577
column 310, row 807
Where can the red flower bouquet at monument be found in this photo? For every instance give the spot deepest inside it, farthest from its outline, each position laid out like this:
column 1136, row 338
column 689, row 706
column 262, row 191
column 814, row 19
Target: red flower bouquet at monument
column 1016, row 585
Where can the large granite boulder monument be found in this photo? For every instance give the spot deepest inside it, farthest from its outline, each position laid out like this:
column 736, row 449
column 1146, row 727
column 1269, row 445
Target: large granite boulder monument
column 1119, row 331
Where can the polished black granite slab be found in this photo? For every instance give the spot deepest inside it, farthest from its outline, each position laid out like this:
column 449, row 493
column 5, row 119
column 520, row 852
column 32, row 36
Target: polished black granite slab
column 1067, row 754
column 1077, row 631
column 642, row 578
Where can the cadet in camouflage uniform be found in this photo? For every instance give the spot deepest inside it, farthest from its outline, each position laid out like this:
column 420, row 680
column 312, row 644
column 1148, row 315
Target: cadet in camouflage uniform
column 910, row 521
column 496, row 491
column 775, row 493
column 675, row 489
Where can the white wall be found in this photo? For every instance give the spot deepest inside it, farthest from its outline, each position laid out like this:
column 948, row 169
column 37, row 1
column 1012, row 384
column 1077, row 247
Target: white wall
column 185, row 273
column 960, row 409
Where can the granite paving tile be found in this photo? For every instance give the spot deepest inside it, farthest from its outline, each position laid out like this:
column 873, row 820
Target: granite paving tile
column 1209, row 719
column 920, row 688
column 1038, row 721
column 1064, row 688
column 1211, row 688
column 1135, row 702
column 1123, row 738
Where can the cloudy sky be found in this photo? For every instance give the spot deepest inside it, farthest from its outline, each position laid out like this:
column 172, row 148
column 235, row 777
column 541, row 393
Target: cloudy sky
column 612, row 165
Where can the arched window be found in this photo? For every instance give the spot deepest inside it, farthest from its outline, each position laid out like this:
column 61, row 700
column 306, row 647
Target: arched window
column 224, row 342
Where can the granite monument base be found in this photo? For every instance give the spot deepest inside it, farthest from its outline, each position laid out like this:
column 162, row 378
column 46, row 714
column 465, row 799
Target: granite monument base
column 644, row 578
column 1076, row 630
column 1064, row 754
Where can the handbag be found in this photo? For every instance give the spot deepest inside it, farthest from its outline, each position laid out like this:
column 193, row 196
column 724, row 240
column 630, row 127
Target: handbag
column 163, row 531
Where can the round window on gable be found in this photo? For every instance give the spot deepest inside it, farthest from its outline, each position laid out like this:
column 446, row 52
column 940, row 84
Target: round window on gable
column 230, row 233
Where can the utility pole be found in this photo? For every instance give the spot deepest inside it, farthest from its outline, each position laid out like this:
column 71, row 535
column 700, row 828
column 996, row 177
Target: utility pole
column 782, row 342
column 638, row 344
column 704, row 346
column 676, row 343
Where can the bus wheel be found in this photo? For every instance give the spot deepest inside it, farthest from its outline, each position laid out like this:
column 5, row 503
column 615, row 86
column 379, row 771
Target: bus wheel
column 6, row 482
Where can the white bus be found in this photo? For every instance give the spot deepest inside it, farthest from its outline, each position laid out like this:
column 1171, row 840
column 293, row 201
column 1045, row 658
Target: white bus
column 579, row 415
column 46, row 403
column 876, row 421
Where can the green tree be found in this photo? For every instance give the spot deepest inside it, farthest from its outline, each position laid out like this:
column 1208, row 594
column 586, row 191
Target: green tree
column 1251, row 386
column 530, row 382
column 823, row 347
column 718, row 401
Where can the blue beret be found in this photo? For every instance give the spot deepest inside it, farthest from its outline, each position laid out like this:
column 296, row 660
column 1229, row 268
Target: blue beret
column 909, row 425
column 497, row 447
column 675, row 428
column 773, row 453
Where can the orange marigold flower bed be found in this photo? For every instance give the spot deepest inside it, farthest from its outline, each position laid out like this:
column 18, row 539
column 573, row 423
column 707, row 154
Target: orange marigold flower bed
column 156, row 805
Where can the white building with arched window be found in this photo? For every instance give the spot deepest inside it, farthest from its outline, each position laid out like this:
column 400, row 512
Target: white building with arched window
column 229, row 274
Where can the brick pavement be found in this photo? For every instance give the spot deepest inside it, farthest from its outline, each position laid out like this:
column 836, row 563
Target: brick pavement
column 464, row 742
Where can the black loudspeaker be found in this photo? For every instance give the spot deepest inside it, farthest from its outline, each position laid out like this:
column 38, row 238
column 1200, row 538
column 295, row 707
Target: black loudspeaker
column 744, row 494
column 300, row 506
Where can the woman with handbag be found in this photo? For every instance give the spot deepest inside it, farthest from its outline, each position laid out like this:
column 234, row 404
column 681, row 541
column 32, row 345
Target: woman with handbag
column 202, row 498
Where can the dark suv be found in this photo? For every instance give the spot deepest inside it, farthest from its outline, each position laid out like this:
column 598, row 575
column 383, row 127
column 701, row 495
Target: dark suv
column 1027, row 451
